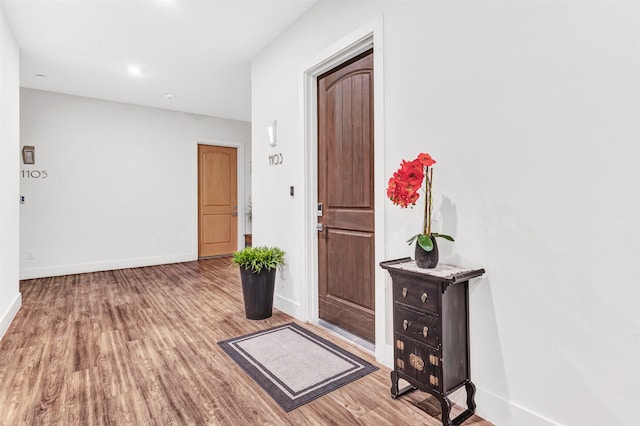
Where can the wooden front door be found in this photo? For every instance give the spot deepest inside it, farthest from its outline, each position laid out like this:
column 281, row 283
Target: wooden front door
column 346, row 261
column 217, row 201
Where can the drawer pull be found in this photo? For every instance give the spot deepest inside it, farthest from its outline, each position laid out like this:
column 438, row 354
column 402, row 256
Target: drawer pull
column 404, row 292
column 400, row 345
column 434, row 360
column 405, row 324
column 416, row 362
column 424, row 297
column 400, row 363
column 425, row 331
column 433, row 380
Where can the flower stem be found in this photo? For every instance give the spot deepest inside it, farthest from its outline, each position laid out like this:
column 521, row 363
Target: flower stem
column 430, row 201
column 426, row 207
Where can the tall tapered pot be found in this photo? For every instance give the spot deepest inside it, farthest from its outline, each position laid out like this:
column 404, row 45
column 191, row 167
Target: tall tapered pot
column 257, row 291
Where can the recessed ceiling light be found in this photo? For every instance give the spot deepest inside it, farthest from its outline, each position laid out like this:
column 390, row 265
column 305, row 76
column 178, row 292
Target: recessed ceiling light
column 40, row 75
column 169, row 96
column 134, row 70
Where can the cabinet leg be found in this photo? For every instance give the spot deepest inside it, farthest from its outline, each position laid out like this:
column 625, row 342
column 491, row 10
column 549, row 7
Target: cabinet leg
column 445, row 403
column 471, row 393
column 471, row 406
column 446, row 410
column 394, row 385
column 396, row 392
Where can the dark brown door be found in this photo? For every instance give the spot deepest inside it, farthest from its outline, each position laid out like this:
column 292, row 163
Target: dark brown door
column 217, row 201
column 345, row 189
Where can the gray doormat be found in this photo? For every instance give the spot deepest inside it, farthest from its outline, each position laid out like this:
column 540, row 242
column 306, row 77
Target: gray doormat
column 294, row 365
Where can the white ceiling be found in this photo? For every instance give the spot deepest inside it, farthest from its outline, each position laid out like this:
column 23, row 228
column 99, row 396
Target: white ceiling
column 200, row 51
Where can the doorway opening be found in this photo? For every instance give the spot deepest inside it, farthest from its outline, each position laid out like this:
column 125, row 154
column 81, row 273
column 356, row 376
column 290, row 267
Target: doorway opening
column 217, row 230
column 346, row 237
column 365, row 38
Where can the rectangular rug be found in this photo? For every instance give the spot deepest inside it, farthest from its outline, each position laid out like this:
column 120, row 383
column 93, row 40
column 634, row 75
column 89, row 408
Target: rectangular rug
column 293, row 365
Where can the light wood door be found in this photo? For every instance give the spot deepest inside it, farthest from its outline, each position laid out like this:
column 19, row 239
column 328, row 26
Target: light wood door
column 345, row 188
column 217, row 201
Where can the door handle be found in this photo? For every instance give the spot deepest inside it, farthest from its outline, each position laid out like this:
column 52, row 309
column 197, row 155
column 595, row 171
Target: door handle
column 321, row 229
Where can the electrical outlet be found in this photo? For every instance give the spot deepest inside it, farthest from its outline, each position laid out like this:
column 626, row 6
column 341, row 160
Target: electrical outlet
column 31, row 254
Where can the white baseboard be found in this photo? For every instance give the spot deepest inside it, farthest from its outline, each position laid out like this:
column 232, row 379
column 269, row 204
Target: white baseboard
column 289, row 307
column 503, row 412
column 9, row 314
column 388, row 360
column 54, row 271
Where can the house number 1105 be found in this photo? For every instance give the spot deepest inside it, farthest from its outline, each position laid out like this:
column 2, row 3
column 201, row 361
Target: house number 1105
column 276, row 159
column 34, row 174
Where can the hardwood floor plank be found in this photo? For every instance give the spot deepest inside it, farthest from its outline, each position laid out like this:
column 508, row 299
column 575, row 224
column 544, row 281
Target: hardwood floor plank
column 139, row 347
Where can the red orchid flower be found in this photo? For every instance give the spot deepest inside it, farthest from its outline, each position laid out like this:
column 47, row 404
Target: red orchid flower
column 402, row 190
column 426, row 160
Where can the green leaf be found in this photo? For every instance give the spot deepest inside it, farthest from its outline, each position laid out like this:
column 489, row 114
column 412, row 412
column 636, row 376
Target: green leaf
column 258, row 258
column 412, row 239
column 446, row 237
column 425, row 242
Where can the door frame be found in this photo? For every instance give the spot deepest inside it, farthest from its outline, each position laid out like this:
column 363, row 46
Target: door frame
column 366, row 37
column 240, row 179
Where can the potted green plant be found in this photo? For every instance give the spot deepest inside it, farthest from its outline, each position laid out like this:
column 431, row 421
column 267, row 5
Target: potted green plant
column 258, row 267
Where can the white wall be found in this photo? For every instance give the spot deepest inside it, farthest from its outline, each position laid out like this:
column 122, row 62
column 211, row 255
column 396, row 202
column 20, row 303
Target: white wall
column 10, row 299
column 121, row 183
column 531, row 110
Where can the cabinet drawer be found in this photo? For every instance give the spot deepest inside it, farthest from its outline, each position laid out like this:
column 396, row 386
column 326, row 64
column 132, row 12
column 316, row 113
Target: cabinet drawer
column 419, row 326
column 421, row 295
column 418, row 361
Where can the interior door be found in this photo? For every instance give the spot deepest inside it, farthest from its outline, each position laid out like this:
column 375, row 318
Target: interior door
column 346, row 262
column 217, row 201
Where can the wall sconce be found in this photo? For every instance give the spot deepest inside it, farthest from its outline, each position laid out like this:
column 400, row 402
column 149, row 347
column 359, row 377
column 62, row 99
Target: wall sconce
column 29, row 155
column 273, row 133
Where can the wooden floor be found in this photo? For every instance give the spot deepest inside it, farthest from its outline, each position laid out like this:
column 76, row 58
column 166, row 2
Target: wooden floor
column 138, row 346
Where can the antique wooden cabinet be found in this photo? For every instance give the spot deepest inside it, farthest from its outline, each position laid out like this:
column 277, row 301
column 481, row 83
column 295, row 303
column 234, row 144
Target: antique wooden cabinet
column 431, row 332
